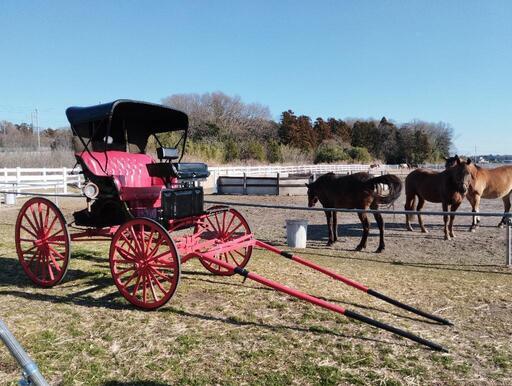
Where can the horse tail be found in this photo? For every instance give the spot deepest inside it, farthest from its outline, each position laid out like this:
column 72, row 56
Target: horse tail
column 386, row 189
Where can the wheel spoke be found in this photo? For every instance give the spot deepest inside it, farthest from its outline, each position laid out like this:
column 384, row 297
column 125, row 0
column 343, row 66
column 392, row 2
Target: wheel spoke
column 55, row 234
column 152, row 287
column 38, row 227
column 30, row 222
column 125, row 254
column 56, row 252
column 136, row 287
column 233, row 257
column 40, row 215
column 30, row 249
column 55, row 264
column 132, row 276
column 157, row 282
column 161, row 274
column 155, row 249
column 233, row 231
column 219, row 228
column 150, row 240
column 53, row 223
column 47, row 216
column 28, row 231
column 135, row 241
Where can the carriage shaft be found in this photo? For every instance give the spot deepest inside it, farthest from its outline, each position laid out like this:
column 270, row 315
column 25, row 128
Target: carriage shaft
column 352, row 283
column 320, row 302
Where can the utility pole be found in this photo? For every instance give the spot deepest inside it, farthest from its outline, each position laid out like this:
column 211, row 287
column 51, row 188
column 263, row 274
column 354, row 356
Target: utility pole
column 38, row 137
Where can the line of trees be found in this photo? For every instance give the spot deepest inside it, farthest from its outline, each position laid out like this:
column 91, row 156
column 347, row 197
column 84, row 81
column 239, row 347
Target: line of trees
column 225, row 129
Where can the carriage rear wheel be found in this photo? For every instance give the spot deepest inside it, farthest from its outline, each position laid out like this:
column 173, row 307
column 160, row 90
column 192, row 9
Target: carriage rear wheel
column 226, row 224
column 144, row 262
column 42, row 242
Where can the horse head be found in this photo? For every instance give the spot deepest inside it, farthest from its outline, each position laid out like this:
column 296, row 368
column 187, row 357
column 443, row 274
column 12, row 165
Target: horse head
column 461, row 174
column 312, row 195
column 451, row 161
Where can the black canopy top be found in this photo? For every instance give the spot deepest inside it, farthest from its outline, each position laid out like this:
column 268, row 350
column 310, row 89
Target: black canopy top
column 125, row 122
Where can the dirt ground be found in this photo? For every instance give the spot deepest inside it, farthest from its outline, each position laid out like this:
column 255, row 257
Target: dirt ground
column 217, row 330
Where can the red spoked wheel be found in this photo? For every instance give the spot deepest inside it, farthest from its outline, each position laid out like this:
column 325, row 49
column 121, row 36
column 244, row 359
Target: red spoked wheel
column 42, row 242
column 144, row 262
column 226, row 224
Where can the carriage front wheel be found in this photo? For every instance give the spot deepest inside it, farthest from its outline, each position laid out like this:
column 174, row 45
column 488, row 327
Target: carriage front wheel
column 225, row 224
column 42, row 242
column 144, row 262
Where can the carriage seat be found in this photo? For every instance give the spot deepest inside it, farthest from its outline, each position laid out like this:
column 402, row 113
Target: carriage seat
column 129, row 172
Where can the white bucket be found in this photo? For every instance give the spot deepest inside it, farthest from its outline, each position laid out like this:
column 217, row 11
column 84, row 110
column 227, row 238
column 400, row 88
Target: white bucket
column 296, row 233
column 10, row 198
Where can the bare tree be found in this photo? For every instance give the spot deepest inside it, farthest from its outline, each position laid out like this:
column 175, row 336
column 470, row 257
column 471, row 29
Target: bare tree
column 219, row 115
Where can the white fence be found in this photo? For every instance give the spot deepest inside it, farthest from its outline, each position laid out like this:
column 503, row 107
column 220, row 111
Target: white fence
column 285, row 170
column 19, row 179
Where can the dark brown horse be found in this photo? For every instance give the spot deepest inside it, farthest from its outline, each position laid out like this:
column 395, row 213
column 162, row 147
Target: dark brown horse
column 448, row 187
column 355, row 191
column 487, row 183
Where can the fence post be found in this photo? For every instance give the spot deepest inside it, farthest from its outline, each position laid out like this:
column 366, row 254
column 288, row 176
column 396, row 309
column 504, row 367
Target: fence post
column 31, row 372
column 65, row 179
column 245, row 184
column 278, row 183
column 509, row 242
column 18, row 179
column 44, row 176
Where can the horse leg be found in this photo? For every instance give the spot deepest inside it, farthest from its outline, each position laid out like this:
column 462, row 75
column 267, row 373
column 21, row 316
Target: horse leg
column 474, row 200
column 409, row 205
column 421, row 202
column 506, row 203
column 445, row 218
column 380, row 223
column 328, row 215
column 335, row 225
column 453, row 208
column 366, row 230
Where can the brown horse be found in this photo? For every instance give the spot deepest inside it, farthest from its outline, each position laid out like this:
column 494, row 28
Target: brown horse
column 448, row 187
column 487, row 183
column 354, row 191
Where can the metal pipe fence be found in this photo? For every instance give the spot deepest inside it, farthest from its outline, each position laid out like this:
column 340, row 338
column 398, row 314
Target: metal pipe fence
column 30, row 372
column 508, row 216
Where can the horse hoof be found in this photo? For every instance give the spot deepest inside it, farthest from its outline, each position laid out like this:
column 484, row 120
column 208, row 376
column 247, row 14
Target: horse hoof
column 359, row 248
column 330, row 243
column 424, row 231
column 410, row 229
column 472, row 229
column 500, row 225
column 379, row 250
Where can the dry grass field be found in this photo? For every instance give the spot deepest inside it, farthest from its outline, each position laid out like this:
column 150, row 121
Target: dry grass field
column 219, row 330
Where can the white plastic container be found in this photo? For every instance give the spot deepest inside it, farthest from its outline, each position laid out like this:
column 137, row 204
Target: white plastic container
column 10, row 198
column 296, row 233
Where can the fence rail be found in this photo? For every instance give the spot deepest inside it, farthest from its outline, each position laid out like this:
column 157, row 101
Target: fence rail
column 19, row 179
column 508, row 216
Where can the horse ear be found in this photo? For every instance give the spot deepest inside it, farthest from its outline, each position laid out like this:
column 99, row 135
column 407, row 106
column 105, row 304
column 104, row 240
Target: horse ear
column 468, row 161
column 307, row 185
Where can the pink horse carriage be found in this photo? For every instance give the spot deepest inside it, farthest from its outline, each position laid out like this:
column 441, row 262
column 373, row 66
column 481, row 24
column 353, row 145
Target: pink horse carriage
column 152, row 213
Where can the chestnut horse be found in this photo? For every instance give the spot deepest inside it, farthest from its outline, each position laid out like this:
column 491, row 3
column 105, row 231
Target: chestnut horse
column 447, row 187
column 487, row 183
column 354, row 191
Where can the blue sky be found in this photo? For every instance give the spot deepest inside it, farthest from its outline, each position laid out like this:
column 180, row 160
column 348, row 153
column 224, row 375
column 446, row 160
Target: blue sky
column 444, row 61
